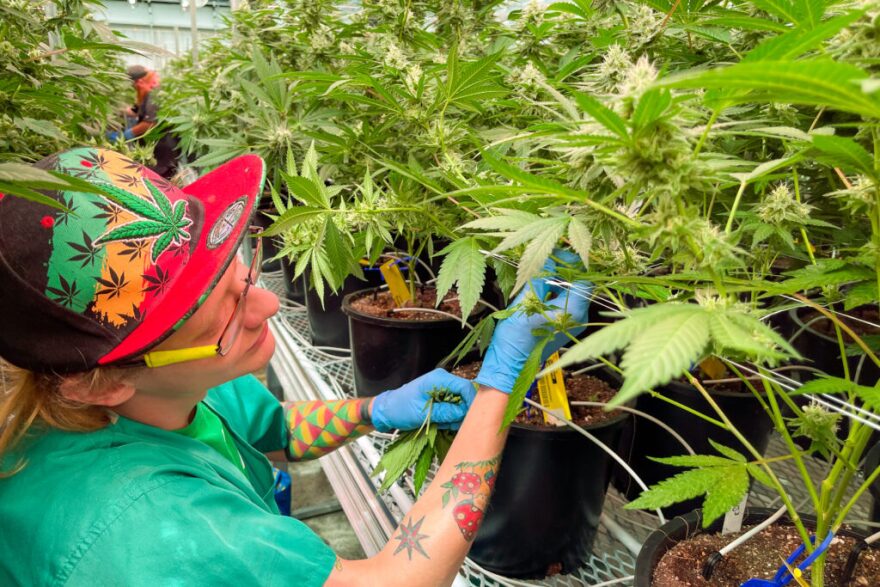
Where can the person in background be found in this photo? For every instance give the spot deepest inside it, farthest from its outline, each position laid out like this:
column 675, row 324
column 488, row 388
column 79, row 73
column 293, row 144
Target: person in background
column 142, row 116
column 133, row 437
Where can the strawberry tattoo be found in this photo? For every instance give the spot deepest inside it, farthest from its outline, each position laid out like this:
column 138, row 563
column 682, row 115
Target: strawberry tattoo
column 470, row 488
column 467, row 517
column 466, row 482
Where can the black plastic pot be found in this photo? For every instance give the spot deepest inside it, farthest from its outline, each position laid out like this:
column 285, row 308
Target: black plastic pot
column 643, row 439
column 386, row 352
column 690, row 525
column 824, row 351
column 294, row 289
column 328, row 323
column 872, row 461
column 547, row 501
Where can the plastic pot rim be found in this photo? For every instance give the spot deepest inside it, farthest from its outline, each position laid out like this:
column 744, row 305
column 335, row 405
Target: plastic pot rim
column 681, row 528
column 800, row 325
column 442, row 322
column 564, row 430
column 681, row 387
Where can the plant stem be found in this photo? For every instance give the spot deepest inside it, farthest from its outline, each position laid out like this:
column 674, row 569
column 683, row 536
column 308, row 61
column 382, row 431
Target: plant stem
column 779, row 422
column 736, row 201
column 783, row 495
column 705, row 134
column 797, row 196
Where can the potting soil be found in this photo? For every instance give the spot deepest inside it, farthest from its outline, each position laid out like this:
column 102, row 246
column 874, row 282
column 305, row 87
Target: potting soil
column 382, row 304
column 824, row 326
column 760, row 558
column 580, row 388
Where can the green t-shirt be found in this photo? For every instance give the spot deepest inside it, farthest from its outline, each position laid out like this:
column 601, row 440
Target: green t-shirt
column 207, row 427
column 139, row 506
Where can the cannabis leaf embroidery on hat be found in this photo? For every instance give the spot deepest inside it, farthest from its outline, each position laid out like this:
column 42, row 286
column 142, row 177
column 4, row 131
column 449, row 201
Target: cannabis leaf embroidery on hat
column 159, row 222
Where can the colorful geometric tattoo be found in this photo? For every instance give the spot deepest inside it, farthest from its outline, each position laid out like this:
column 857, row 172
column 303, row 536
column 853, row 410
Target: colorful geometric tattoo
column 319, row 427
column 470, row 490
column 410, row 539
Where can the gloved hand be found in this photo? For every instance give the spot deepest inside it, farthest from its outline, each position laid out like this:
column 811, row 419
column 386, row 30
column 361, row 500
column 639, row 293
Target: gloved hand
column 513, row 340
column 406, row 407
column 114, row 135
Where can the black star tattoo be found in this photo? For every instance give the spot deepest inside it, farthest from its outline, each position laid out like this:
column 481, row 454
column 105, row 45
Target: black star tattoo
column 410, row 539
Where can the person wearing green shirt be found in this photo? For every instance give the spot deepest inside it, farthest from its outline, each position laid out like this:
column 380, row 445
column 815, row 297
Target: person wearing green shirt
column 133, row 439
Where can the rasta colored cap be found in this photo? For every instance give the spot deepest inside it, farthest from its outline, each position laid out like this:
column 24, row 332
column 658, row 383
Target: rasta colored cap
column 105, row 281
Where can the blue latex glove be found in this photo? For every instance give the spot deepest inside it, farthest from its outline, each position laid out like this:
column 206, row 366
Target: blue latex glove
column 405, row 408
column 513, row 341
column 113, row 136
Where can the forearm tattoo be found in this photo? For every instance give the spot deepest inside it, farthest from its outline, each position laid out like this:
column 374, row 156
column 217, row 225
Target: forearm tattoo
column 411, row 538
column 469, row 491
column 319, row 427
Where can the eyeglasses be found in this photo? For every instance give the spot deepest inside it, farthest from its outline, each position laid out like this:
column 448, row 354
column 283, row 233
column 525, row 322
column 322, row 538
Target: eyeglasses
column 230, row 331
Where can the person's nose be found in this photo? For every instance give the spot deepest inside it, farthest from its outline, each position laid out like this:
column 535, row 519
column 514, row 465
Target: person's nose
column 262, row 304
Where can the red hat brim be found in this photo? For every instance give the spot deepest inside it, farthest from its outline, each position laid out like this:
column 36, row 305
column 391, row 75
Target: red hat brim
column 227, row 197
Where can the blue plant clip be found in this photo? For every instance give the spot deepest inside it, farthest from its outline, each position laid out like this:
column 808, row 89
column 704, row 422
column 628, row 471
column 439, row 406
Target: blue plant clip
column 783, row 576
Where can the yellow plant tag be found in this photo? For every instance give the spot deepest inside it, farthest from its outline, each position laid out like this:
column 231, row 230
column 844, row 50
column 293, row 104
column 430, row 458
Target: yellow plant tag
column 396, row 282
column 713, row 367
column 551, row 391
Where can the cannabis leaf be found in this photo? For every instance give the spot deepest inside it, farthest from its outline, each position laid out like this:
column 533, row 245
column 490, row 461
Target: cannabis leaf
column 826, row 384
column 523, row 383
column 464, row 266
column 86, row 252
column 723, row 480
column 664, row 340
column 161, row 223
column 65, row 294
column 114, row 286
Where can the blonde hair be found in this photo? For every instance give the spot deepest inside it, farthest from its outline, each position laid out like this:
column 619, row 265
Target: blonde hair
column 31, row 400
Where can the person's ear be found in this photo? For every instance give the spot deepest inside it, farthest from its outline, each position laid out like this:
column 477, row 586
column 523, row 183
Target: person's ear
column 108, row 394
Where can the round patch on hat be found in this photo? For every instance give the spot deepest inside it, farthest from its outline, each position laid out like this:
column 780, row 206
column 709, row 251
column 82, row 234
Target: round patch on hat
column 226, row 223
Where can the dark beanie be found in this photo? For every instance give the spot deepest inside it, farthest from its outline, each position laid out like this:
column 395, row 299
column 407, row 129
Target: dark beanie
column 136, row 72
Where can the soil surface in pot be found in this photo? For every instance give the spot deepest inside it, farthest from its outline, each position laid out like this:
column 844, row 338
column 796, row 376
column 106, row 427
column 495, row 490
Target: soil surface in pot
column 580, row 388
column 760, row 557
column 381, row 304
column 826, row 327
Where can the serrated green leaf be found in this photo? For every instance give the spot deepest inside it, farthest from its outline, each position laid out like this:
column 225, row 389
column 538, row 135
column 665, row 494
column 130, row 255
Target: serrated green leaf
column 680, row 487
column 464, row 266
column 726, row 495
column 618, row 335
column 807, row 280
column 400, row 456
column 759, row 474
column 602, row 114
column 662, row 352
column 729, row 335
column 760, row 331
column 306, row 191
column 581, row 240
column 693, row 461
column 728, row 452
column 816, row 82
column 422, row 467
column 523, row 383
column 291, row 218
column 824, row 385
column 845, row 153
column 538, row 251
column 795, row 43
column 506, row 220
column 532, row 231
column 861, row 294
